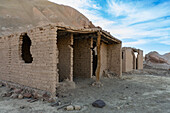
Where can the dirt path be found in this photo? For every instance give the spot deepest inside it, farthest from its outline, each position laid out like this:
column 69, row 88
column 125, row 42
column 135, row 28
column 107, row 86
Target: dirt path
column 133, row 94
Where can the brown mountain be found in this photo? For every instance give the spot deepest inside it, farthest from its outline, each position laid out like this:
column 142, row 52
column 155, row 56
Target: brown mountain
column 19, row 15
column 155, row 57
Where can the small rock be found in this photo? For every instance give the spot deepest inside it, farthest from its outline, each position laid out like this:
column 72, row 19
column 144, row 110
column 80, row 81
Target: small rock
column 77, row 107
column 22, row 107
column 97, row 84
column 70, row 108
column 7, row 94
column 20, row 96
column 14, row 95
column 27, row 95
column 37, row 96
column 11, row 88
column 18, row 91
column 123, row 98
column 118, row 107
column 99, row 103
column 56, row 104
column 45, row 95
column 51, row 100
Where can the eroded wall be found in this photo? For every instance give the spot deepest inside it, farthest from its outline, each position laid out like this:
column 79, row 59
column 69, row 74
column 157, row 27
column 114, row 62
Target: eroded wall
column 140, row 59
column 127, row 60
column 65, row 65
column 115, row 58
column 104, row 56
column 42, row 72
column 82, row 60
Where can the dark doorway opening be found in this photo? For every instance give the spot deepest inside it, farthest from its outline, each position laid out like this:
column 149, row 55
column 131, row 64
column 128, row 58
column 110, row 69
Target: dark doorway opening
column 94, row 52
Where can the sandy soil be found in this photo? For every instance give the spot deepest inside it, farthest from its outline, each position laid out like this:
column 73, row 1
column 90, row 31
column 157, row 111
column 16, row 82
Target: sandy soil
column 134, row 93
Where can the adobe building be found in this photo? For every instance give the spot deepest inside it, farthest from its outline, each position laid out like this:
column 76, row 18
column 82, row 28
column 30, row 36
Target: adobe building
column 132, row 59
column 45, row 56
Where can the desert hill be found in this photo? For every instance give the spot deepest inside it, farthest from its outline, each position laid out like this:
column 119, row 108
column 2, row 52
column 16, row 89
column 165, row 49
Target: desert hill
column 156, row 60
column 19, row 15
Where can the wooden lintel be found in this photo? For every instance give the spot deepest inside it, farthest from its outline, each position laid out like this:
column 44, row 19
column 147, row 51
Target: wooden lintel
column 114, row 40
column 76, row 31
column 98, row 57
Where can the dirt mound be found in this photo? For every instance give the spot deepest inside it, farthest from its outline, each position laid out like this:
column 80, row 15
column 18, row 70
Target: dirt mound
column 20, row 15
column 156, row 60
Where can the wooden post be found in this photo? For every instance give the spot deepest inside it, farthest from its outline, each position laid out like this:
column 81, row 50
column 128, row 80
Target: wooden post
column 71, row 58
column 98, row 57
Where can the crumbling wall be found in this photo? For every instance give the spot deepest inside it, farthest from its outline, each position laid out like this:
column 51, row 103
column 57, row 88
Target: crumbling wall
column 115, row 58
column 140, row 59
column 82, row 59
column 65, row 65
column 123, row 61
column 134, row 60
column 41, row 73
column 104, row 56
column 128, row 60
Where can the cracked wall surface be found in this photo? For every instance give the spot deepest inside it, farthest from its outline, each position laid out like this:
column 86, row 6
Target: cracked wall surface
column 65, row 65
column 41, row 73
column 114, row 58
column 83, row 58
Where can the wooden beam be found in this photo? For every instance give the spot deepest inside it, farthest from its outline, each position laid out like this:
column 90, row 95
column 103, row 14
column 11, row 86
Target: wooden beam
column 98, row 57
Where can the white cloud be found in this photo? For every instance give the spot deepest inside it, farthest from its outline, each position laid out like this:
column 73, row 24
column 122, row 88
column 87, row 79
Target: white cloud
column 134, row 43
column 139, row 21
column 89, row 9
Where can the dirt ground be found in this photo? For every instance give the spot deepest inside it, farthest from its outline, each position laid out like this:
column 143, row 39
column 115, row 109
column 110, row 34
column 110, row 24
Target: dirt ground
column 137, row 92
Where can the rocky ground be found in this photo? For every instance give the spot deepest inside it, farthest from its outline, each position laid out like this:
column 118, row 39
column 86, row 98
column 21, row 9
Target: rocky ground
column 146, row 91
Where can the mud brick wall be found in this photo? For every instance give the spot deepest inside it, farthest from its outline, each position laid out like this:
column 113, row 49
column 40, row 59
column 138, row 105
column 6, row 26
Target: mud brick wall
column 140, row 59
column 115, row 58
column 134, row 60
column 104, row 56
column 42, row 72
column 65, row 65
column 83, row 58
column 127, row 60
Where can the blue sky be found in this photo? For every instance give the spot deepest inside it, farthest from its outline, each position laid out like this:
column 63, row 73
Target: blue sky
column 143, row 24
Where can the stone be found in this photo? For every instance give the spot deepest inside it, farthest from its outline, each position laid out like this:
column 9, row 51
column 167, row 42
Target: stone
column 14, row 95
column 56, row 104
column 37, row 96
column 97, row 84
column 18, row 91
column 77, row 107
column 20, row 96
column 22, row 107
column 118, row 107
column 7, row 94
column 45, row 95
column 123, row 98
column 51, row 100
column 99, row 103
column 70, row 108
column 27, row 95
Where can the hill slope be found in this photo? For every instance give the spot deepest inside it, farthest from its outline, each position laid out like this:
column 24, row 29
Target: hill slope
column 19, row 15
column 156, row 60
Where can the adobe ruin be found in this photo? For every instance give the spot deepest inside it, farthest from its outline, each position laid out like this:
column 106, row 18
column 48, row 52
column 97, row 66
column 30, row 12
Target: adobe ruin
column 42, row 57
column 132, row 59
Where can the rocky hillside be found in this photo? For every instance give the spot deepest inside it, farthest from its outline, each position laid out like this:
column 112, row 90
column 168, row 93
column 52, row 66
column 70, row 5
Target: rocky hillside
column 156, row 60
column 19, row 15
